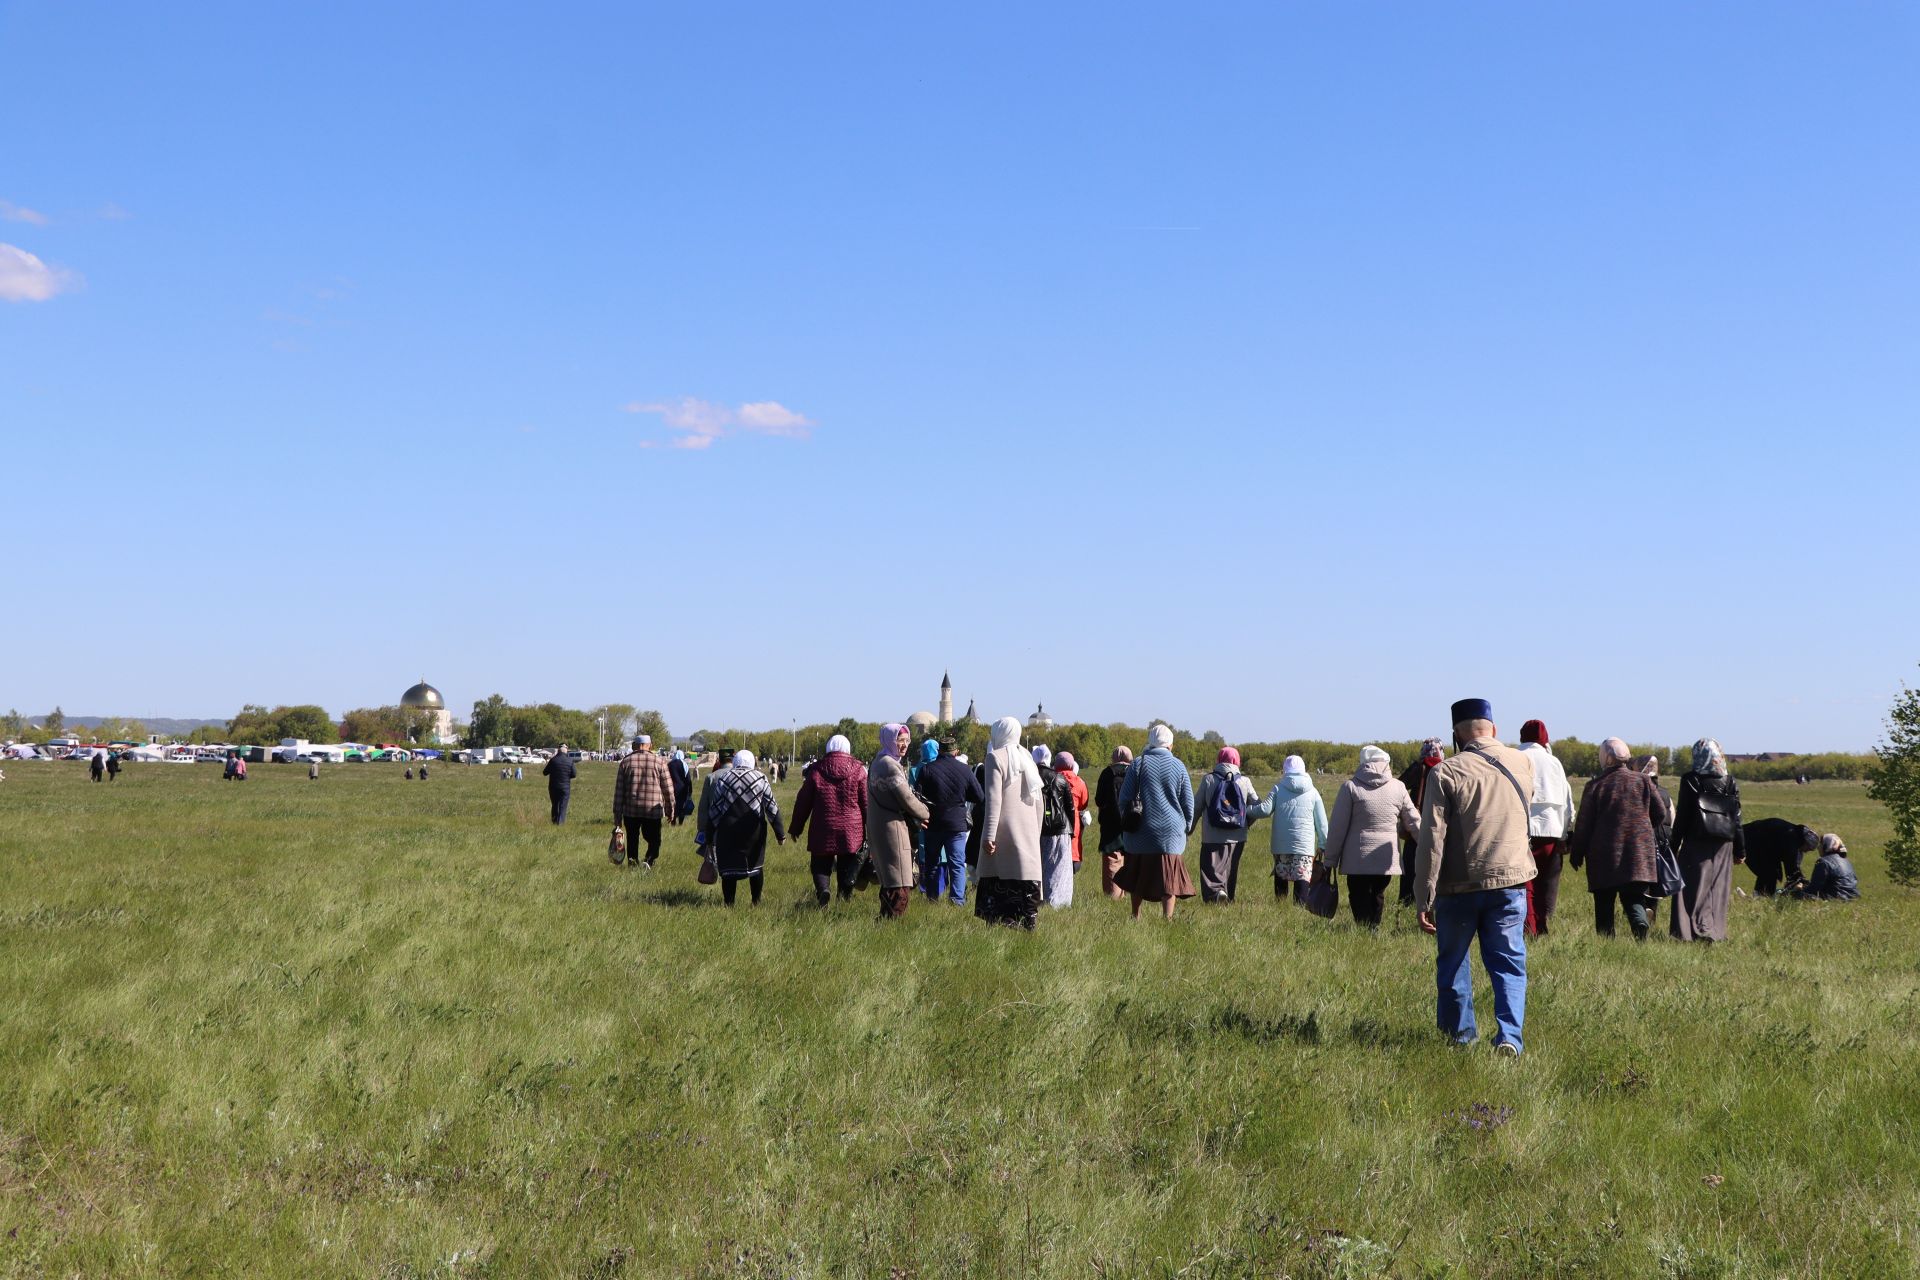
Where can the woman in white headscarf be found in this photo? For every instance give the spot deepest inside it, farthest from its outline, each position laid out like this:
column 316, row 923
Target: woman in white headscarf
column 1370, row 814
column 1299, row 829
column 1008, row 889
column 1156, row 839
column 736, row 808
column 893, row 813
column 833, row 798
column 1707, row 842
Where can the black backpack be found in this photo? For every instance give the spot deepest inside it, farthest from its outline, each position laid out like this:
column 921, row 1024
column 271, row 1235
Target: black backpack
column 1056, row 817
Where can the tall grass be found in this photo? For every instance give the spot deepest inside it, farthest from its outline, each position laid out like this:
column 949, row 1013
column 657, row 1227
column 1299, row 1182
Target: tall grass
column 370, row 1027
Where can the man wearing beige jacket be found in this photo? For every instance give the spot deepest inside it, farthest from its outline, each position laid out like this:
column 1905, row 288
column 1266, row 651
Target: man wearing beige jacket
column 1471, row 871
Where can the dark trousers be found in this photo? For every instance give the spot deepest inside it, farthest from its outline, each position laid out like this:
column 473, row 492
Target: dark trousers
column 827, row 867
column 1638, row 901
column 1299, row 890
column 1543, row 891
column 1768, row 874
column 639, row 829
column 731, row 885
column 1368, row 897
column 1406, row 877
column 558, row 798
column 1220, row 870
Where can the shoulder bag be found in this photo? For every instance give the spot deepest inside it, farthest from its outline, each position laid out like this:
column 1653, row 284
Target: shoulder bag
column 1323, row 892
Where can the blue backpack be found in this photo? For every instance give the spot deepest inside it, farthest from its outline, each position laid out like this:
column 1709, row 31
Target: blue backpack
column 1227, row 809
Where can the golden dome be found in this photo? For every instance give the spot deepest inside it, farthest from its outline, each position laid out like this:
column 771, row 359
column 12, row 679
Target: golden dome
column 423, row 695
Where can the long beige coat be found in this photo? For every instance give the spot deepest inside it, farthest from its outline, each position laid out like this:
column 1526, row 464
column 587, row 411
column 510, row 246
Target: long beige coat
column 1011, row 817
column 1369, row 815
column 891, row 807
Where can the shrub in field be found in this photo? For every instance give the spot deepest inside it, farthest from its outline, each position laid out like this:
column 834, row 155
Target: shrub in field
column 1894, row 781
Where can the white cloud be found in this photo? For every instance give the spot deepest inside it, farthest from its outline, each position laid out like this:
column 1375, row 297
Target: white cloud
column 11, row 212
column 111, row 212
column 24, row 278
column 698, row 423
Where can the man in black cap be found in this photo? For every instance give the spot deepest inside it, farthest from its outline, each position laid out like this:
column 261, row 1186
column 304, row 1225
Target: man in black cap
column 1471, row 871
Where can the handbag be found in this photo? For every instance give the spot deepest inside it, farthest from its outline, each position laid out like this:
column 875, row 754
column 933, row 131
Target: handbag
column 1323, row 892
column 708, row 873
column 617, row 845
column 1666, row 867
column 1719, row 814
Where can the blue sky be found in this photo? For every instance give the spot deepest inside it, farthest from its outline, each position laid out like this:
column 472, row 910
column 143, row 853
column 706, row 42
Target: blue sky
column 1287, row 369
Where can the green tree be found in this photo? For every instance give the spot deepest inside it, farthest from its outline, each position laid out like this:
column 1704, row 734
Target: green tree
column 13, row 724
column 491, row 724
column 116, row 729
column 56, row 723
column 618, row 717
column 654, row 725
column 305, row 721
column 206, row 733
column 254, row 724
column 375, row 724
column 1894, row 781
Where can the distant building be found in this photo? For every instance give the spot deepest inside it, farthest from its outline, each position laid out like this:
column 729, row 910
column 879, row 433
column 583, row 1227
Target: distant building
column 1040, row 719
column 425, row 698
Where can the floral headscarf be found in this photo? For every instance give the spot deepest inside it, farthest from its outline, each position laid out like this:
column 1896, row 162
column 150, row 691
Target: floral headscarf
column 1708, row 758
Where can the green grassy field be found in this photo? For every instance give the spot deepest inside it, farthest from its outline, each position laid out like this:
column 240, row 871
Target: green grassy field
column 366, row 1027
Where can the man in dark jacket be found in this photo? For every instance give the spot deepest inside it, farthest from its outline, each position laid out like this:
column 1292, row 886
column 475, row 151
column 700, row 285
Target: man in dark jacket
column 559, row 773
column 1774, row 845
column 949, row 789
column 1106, row 806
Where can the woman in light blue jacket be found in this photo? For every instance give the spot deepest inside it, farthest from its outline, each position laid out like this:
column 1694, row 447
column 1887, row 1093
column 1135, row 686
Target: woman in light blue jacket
column 1299, row 828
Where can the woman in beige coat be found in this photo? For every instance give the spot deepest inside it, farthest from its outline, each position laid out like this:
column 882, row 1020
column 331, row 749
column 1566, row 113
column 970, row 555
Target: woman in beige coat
column 893, row 811
column 1008, row 889
column 1363, row 836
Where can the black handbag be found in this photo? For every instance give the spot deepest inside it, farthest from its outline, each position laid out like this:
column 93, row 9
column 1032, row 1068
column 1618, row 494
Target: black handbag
column 1323, row 892
column 1666, row 866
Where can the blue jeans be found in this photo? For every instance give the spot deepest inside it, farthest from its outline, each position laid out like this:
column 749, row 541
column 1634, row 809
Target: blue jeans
column 1498, row 917
column 953, row 845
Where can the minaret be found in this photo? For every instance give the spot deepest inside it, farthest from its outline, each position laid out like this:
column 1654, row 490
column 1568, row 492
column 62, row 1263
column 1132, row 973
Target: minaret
column 946, row 698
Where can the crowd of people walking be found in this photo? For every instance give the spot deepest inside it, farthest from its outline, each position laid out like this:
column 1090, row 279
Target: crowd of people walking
column 1477, row 839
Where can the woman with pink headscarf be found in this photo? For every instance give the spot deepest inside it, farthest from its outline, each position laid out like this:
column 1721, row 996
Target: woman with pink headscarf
column 893, row 811
column 1227, row 809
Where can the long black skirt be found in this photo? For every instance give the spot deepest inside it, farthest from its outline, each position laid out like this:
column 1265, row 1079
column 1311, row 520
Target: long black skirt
column 1015, row 903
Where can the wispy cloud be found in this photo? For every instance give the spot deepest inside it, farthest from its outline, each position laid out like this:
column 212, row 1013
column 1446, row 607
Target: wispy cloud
column 697, row 423
column 24, row 278
column 11, row 212
column 111, row 212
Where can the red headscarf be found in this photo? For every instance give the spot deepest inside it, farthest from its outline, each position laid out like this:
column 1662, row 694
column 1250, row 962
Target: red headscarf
column 1229, row 756
column 1535, row 731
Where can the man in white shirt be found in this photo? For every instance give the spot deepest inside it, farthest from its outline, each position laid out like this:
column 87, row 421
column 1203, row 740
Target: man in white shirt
column 1549, row 823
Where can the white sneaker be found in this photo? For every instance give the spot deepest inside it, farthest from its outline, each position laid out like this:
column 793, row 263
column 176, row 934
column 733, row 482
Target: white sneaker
column 1507, row 1049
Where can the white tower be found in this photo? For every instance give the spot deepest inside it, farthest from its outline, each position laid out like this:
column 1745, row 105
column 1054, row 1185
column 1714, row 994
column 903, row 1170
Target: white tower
column 946, row 699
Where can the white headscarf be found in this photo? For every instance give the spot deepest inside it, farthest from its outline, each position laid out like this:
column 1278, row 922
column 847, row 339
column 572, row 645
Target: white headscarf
column 743, row 759
column 1293, row 765
column 1043, row 754
column 1006, row 737
column 1160, row 736
column 839, row 745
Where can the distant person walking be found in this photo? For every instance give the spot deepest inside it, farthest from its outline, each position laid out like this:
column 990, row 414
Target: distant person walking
column 643, row 800
column 893, row 815
column 1616, row 837
column 313, row 769
column 1414, row 779
column 1472, row 866
column 1056, row 831
column 1008, row 889
column 1106, row 806
column 1708, row 841
column 832, row 810
column 1370, row 813
column 1069, row 769
column 950, row 791
column 1548, row 825
column 113, row 766
column 736, row 809
column 1774, row 848
column 97, row 766
column 1225, row 811
column 682, row 786
column 1156, row 866
column 559, row 771
column 1299, row 829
